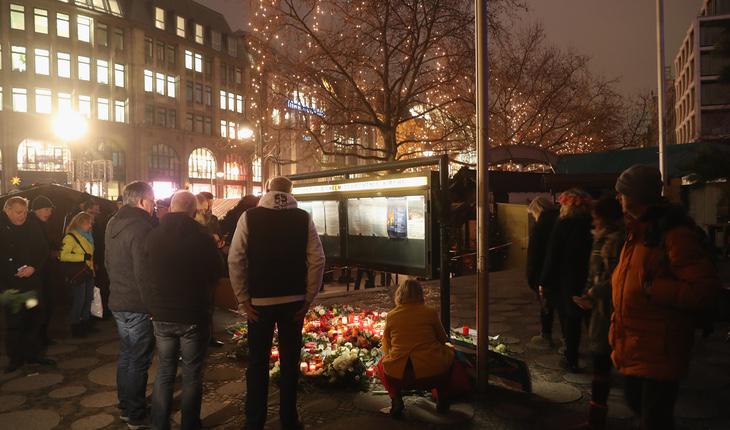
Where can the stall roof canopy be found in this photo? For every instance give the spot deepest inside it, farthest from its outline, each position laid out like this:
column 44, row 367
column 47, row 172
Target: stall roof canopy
column 679, row 158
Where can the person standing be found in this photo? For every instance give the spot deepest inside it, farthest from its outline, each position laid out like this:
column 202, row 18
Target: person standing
column 665, row 280
column 565, row 269
column 125, row 261
column 23, row 254
column 276, row 263
column 41, row 210
column 608, row 239
column 77, row 252
column 185, row 268
column 544, row 212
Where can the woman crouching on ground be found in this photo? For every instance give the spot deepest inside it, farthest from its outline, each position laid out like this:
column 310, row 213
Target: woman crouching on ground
column 415, row 352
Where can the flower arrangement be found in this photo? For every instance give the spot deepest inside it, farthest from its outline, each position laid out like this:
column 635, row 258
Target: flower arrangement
column 340, row 345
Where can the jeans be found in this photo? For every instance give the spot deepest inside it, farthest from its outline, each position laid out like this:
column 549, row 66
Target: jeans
column 260, row 336
column 136, row 346
column 547, row 316
column 191, row 342
column 601, row 384
column 82, row 294
column 652, row 401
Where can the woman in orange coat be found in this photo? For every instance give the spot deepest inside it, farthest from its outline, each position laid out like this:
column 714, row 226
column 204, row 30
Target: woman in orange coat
column 663, row 282
column 415, row 350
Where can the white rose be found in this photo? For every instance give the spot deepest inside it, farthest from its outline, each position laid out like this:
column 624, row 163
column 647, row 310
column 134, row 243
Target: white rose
column 31, row 303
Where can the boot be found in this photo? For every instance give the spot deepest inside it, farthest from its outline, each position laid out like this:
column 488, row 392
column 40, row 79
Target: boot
column 596, row 417
column 397, row 406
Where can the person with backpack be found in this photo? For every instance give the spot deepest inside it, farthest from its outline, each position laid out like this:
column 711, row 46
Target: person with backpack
column 664, row 281
column 77, row 258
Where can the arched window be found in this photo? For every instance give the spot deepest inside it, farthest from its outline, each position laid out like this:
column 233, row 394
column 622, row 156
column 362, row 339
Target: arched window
column 233, row 168
column 164, row 163
column 43, row 156
column 201, row 164
column 256, row 170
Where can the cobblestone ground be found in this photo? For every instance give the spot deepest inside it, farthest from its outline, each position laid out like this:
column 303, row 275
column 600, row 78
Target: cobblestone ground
column 80, row 392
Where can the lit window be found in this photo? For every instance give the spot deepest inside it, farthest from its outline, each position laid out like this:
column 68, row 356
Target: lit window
column 231, row 102
column 256, row 169
column 40, row 21
column 17, row 58
column 232, row 129
column 63, row 27
column 17, row 17
column 114, row 7
column 84, row 68
column 171, row 86
column 160, row 18
column 64, row 65
column 188, row 60
column 83, row 28
column 119, row 75
column 160, row 83
column 43, row 100
column 180, row 26
column 102, row 71
column 199, row 33
column 42, row 62
column 41, row 156
column 224, row 129
column 223, row 100
column 215, row 40
column 85, row 106
column 64, row 103
column 239, row 104
column 148, row 81
column 198, row 63
column 201, row 164
column 102, row 109
column 120, row 110
column 20, row 100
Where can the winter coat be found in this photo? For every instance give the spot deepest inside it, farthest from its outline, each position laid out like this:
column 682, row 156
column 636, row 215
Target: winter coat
column 238, row 258
column 23, row 245
column 565, row 270
column 607, row 245
column 537, row 246
column 414, row 332
column 185, row 267
column 125, row 258
column 73, row 251
column 664, row 280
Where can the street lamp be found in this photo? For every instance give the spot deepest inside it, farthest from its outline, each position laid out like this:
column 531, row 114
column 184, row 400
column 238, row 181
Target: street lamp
column 69, row 126
column 245, row 132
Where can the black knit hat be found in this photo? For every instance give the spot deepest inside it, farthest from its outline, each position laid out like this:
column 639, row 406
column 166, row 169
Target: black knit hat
column 41, row 202
column 641, row 182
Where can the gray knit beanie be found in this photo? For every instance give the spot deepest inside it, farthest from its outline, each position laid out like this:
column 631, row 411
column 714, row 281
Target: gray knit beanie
column 641, row 182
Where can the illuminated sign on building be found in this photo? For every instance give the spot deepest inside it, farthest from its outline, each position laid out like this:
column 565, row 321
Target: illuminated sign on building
column 291, row 104
column 383, row 184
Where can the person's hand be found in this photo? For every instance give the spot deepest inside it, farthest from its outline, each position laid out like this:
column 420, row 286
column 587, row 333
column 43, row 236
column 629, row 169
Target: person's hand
column 584, row 302
column 247, row 308
column 302, row 312
column 25, row 272
column 541, row 292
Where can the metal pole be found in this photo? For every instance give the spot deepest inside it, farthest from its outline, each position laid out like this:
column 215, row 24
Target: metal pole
column 444, row 243
column 482, row 195
column 661, row 77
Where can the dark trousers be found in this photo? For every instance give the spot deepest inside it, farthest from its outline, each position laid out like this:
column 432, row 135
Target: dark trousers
column 22, row 340
column 260, row 336
column 571, row 333
column 174, row 340
column 82, row 294
column 652, row 401
column 136, row 346
column 547, row 316
column 49, row 301
column 601, row 384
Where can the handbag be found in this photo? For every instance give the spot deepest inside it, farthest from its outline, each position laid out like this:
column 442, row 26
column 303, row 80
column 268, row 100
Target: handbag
column 77, row 271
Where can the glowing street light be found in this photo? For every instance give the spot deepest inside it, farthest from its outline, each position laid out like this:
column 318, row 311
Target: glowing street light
column 245, row 132
column 69, row 126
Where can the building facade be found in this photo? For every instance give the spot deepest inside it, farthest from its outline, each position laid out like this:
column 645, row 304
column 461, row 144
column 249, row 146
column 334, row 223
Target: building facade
column 161, row 84
column 702, row 105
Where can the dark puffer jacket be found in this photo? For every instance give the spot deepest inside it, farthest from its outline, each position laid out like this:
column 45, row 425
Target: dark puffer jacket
column 537, row 246
column 21, row 245
column 126, row 260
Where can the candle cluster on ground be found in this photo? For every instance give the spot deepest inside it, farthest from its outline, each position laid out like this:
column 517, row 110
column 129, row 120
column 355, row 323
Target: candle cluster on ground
column 341, row 345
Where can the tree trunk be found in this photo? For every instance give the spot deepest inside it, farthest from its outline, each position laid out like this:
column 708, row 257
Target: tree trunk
column 390, row 142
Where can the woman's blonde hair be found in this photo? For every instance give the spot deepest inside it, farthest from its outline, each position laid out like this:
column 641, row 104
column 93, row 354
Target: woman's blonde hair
column 540, row 204
column 409, row 292
column 77, row 220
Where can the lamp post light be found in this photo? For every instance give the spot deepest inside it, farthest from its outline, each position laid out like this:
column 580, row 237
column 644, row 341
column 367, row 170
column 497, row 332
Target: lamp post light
column 69, row 126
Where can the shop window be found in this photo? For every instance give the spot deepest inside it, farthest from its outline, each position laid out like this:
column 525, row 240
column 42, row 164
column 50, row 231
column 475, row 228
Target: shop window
column 43, row 156
column 163, row 163
column 201, row 164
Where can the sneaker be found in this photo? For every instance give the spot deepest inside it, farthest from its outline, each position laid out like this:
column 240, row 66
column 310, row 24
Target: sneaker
column 138, row 424
column 124, row 418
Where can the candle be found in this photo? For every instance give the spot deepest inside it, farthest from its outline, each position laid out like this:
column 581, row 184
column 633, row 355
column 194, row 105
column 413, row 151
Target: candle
column 344, row 320
column 312, row 367
column 356, row 318
column 303, row 367
column 465, row 330
column 351, row 318
column 274, row 353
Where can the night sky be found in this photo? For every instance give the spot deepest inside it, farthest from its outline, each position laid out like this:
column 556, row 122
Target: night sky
column 619, row 35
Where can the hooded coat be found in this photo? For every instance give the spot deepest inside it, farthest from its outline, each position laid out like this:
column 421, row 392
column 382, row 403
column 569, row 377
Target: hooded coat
column 21, row 245
column 125, row 258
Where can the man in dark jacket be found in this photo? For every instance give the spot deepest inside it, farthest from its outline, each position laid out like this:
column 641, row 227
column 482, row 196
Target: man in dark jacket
column 125, row 261
column 23, row 255
column 185, row 268
column 544, row 212
column 41, row 211
column 276, row 263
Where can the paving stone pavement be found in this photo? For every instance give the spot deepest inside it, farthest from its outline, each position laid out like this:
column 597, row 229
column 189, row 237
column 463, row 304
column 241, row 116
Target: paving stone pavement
column 80, row 392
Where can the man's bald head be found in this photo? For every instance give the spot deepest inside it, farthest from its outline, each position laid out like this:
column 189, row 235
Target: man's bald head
column 281, row 184
column 185, row 202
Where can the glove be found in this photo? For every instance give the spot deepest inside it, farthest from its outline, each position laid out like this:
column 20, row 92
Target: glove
column 87, row 257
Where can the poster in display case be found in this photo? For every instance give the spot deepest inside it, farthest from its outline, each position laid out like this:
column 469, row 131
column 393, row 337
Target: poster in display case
column 326, row 218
